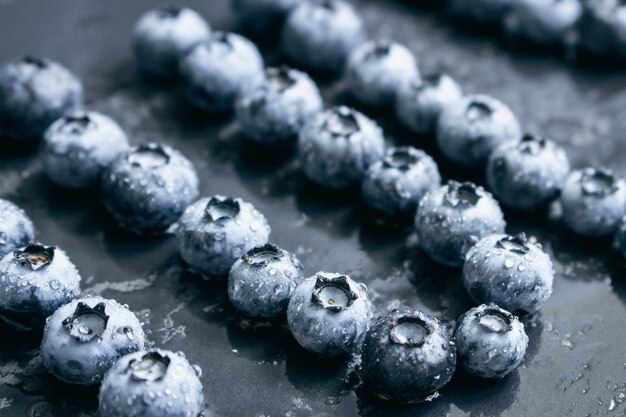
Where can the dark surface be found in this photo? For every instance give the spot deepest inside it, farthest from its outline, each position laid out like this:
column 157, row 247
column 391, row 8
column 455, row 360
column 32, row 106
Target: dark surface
column 576, row 364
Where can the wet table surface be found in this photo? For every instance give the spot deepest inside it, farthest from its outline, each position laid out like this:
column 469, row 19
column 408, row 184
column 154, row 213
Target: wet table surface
column 576, row 363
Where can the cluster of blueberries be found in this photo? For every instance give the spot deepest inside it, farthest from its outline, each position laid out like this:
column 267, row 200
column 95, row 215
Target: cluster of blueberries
column 406, row 356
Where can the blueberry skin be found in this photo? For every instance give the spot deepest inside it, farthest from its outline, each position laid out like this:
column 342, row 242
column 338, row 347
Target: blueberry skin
column 420, row 102
column 274, row 111
column 85, row 337
column 16, row 229
column 470, row 129
column 35, row 280
column 34, row 93
column 153, row 383
column 396, row 184
column 377, row 70
column 454, row 217
column 490, row 341
column 147, row 188
column 329, row 313
column 480, row 11
column 78, row 147
column 261, row 17
column 593, row 201
column 509, row 271
column 529, row 174
column 219, row 69
column 336, row 147
column 406, row 357
column 214, row 232
column 163, row 35
column 601, row 29
column 321, row 34
column 260, row 283
column 544, row 22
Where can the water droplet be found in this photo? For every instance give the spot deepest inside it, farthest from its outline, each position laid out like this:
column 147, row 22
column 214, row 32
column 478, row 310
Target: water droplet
column 508, row 263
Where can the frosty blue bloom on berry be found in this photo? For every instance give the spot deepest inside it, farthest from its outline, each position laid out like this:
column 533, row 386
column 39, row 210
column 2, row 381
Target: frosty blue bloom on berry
column 85, row 337
column 16, row 229
column 543, row 21
column 34, row 93
column 329, row 314
column 406, row 357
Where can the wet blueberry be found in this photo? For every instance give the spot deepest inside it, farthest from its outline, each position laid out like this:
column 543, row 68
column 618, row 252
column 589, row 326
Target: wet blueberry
column 33, row 94
column 219, row 69
column 593, row 201
column 85, row 337
column 260, row 283
column 152, row 383
column 34, row 281
column 470, row 129
column 78, row 148
column 261, row 17
column 16, row 229
column 396, row 184
column 543, row 21
column 509, row 271
column 377, row 70
column 337, row 146
column 480, row 11
column 406, row 357
column 321, row 34
column 329, row 314
column 490, row 341
column 147, row 188
column 275, row 110
column 454, row 217
column 163, row 35
column 602, row 28
column 420, row 102
column 528, row 174
column 214, row 232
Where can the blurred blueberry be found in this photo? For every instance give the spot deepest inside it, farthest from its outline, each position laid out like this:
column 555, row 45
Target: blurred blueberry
column 16, row 229
column 602, row 28
column 543, row 21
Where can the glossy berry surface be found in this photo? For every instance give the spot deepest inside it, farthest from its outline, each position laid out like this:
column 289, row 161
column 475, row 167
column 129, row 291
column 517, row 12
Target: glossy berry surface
column 214, row 232
column 543, row 21
column 16, row 228
column 329, row 313
column 337, row 146
column 509, row 271
column 397, row 183
column 406, row 357
column 454, row 217
column 85, row 337
column 261, row 282
column 147, row 188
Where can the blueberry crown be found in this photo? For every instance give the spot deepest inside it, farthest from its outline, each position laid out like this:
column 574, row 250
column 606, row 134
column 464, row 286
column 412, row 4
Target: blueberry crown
column 598, row 182
column 35, row 255
column 477, row 110
column 220, row 37
column 517, row 244
column 334, row 293
column 280, row 78
column 410, row 329
column 493, row 319
column 531, row 144
column 432, row 79
column 169, row 11
column 37, row 62
column 77, row 123
column 87, row 322
column 263, row 255
column 341, row 121
column 462, row 194
column 149, row 156
column 221, row 209
column 380, row 49
column 150, row 367
column 326, row 4
column 401, row 158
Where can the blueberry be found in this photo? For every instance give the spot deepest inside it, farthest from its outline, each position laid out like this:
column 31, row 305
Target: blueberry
column 34, row 281
column 163, row 35
column 377, row 70
column 528, row 174
column 275, row 110
column 602, row 29
column 85, row 337
column 593, row 201
column 219, row 69
column 420, row 102
column 470, row 129
column 509, row 271
column 153, row 383
column 33, row 94
column 329, row 314
column 543, row 21
column 454, row 217
column 490, row 341
column 147, row 188
column 78, row 148
column 321, row 34
column 396, row 184
column 406, row 357
column 337, row 146
column 16, row 229
column 480, row 11
column 214, row 232
column 260, row 283
column 261, row 17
